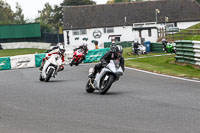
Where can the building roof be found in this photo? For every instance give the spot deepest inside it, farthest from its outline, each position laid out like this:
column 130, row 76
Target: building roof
column 111, row 15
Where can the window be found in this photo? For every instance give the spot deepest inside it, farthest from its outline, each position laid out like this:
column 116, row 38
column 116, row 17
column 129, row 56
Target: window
column 76, row 32
column 108, row 30
column 80, row 32
column 117, row 39
column 169, row 25
column 83, row 32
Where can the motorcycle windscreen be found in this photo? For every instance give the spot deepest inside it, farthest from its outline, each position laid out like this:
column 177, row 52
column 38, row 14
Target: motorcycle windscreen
column 119, row 70
column 55, row 59
column 112, row 67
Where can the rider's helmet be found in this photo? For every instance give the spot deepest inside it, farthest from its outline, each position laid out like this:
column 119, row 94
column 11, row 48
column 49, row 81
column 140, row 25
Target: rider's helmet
column 61, row 49
column 59, row 44
column 84, row 46
column 113, row 41
column 163, row 40
column 118, row 50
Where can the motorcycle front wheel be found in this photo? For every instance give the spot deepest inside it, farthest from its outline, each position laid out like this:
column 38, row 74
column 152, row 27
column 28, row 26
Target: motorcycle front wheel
column 72, row 62
column 41, row 78
column 89, row 88
column 49, row 74
column 106, row 84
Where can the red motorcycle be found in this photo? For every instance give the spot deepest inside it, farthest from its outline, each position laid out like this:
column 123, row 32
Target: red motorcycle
column 78, row 57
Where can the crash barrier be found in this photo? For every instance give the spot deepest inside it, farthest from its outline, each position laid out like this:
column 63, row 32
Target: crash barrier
column 35, row 60
column 21, row 61
column 156, row 47
column 123, row 44
column 95, row 55
column 188, row 52
column 5, row 63
column 38, row 59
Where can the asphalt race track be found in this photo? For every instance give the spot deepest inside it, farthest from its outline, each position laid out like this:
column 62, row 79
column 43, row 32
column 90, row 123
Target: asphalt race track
column 137, row 103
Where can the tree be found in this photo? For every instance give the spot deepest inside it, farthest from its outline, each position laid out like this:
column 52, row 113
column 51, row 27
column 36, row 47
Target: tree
column 46, row 18
column 51, row 18
column 6, row 14
column 19, row 16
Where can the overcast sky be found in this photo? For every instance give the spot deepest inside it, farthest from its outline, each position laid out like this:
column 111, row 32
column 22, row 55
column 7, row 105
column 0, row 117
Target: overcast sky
column 30, row 7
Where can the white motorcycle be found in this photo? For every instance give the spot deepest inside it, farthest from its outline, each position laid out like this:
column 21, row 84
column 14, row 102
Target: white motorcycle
column 104, row 79
column 140, row 50
column 50, row 67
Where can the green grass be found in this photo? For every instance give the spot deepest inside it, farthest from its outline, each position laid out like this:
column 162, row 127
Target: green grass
column 188, row 34
column 162, row 64
column 127, row 53
column 13, row 52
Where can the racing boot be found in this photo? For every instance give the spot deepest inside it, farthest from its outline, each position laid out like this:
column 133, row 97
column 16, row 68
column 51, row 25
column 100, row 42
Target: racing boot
column 92, row 73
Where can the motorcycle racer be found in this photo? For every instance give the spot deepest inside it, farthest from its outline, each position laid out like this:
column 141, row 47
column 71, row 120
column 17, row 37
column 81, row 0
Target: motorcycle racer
column 59, row 51
column 84, row 48
column 114, row 54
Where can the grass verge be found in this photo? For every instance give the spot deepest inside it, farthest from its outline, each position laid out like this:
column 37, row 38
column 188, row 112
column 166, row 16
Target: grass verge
column 162, row 64
column 14, row 52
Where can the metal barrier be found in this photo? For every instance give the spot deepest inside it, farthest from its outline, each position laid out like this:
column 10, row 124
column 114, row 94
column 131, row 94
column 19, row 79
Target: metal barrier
column 188, row 52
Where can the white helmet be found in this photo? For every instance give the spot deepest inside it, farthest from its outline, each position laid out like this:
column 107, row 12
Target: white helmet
column 163, row 40
column 61, row 49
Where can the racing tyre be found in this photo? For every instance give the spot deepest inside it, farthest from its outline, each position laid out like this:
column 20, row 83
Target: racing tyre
column 72, row 62
column 106, row 84
column 49, row 74
column 89, row 88
column 139, row 52
column 41, row 78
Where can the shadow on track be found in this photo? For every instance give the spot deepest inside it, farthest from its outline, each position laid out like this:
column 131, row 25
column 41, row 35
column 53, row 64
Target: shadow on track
column 107, row 94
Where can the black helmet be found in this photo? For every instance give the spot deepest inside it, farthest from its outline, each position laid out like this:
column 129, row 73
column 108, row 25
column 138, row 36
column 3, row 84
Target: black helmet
column 118, row 50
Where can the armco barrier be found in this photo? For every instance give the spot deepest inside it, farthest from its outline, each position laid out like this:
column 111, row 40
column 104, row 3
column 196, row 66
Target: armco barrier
column 188, row 52
column 5, row 63
column 95, row 55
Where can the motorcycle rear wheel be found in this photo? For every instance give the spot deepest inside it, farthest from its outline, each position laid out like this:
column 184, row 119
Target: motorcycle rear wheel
column 89, row 88
column 107, row 85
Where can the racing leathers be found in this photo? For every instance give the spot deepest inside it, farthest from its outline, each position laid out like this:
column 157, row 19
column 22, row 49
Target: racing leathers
column 84, row 48
column 105, row 60
column 48, row 56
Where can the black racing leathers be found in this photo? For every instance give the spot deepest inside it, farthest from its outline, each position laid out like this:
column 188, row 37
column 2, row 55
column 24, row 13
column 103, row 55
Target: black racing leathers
column 106, row 59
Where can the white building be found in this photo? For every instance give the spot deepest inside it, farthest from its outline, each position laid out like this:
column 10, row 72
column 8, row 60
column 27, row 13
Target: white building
column 127, row 21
